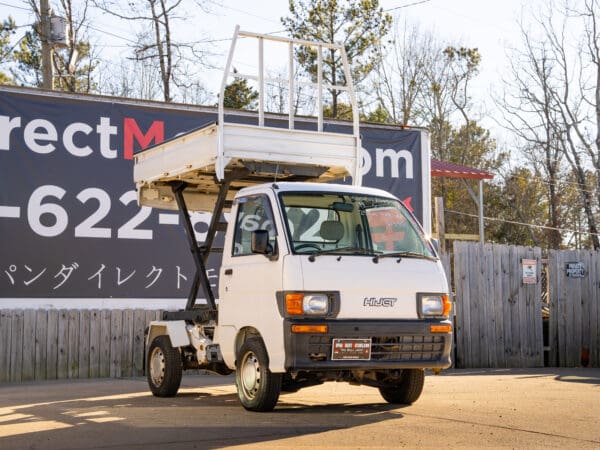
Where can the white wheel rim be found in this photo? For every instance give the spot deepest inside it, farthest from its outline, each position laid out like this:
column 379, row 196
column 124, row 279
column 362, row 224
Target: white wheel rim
column 250, row 375
column 157, row 366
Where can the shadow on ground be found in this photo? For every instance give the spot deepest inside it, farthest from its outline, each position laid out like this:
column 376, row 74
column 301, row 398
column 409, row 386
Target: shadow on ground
column 207, row 417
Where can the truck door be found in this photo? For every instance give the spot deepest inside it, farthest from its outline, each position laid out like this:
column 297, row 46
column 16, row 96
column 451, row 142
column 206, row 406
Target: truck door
column 248, row 281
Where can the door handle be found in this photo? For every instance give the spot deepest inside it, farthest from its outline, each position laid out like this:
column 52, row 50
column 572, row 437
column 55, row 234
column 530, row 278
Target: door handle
column 228, row 271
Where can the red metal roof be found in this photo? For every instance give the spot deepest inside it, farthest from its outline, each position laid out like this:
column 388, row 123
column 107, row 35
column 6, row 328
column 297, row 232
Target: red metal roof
column 451, row 170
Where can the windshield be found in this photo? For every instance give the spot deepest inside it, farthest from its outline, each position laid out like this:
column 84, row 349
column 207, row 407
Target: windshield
column 336, row 223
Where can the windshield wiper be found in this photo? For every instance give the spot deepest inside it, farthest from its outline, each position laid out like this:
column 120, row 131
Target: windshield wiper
column 401, row 255
column 344, row 251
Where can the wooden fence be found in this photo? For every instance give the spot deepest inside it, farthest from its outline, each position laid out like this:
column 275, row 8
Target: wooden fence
column 574, row 330
column 56, row 344
column 498, row 321
column 498, row 318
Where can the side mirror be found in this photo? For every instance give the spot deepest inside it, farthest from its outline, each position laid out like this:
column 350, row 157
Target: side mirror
column 259, row 243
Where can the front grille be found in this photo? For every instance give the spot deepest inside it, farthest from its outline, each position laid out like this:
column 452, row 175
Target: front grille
column 390, row 348
column 406, row 348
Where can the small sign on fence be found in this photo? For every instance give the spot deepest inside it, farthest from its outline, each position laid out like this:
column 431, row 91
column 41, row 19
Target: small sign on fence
column 575, row 269
column 529, row 271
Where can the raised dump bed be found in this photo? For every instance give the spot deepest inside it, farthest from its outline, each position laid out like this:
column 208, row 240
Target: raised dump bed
column 243, row 155
column 256, row 154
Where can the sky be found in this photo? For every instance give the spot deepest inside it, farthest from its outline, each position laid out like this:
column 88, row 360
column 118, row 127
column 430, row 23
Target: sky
column 489, row 25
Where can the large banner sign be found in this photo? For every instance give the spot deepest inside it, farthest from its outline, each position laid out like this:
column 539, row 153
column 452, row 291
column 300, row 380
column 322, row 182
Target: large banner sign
column 70, row 226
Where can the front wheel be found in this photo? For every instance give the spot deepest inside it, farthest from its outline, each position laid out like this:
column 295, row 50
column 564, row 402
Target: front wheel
column 258, row 389
column 163, row 368
column 407, row 390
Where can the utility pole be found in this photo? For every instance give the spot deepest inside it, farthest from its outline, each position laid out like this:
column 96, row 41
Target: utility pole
column 47, row 66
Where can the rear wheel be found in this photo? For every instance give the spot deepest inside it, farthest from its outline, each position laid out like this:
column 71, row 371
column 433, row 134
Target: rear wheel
column 407, row 390
column 163, row 367
column 258, row 389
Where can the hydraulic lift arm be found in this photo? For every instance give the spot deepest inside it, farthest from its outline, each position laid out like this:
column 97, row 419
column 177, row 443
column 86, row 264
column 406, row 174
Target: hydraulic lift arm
column 196, row 313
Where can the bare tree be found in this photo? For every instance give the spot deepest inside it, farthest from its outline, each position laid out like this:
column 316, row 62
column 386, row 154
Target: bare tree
column 463, row 64
column 132, row 79
column 196, row 92
column 529, row 113
column 157, row 44
column 401, row 78
column 550, row 110
column 424, row 82
column 277, row 93
column 570, row 91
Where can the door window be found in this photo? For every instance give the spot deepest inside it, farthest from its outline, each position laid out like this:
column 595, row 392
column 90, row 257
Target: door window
column 254, row 213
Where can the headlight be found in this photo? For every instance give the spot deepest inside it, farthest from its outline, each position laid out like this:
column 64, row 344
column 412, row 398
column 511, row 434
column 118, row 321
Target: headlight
column 433, row 305
column 307, row 304
column 313, row 304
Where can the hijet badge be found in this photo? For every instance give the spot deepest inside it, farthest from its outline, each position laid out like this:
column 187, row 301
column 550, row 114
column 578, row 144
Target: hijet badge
column 386, row 302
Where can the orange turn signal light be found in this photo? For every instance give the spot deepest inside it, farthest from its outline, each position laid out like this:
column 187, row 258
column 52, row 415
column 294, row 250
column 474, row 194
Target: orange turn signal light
column 447, row 305
column 445, row 328
column 310, row 328
column 293, row 304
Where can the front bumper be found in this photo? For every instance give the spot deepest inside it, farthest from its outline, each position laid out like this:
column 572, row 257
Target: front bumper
column 398, row 344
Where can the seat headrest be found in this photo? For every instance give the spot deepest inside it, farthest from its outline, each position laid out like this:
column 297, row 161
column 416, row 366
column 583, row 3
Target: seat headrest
column 332, row 230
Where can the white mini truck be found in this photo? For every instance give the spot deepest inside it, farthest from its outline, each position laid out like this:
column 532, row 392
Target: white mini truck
column 318, row 281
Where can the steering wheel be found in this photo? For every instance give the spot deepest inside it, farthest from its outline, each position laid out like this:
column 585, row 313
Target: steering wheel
column 308, row 245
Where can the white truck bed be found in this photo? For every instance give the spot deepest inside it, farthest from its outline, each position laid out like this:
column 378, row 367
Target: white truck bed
column 204, row 158
column 269, row 154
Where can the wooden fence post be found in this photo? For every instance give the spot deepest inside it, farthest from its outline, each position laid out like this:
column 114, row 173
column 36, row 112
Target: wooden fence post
column 5, row 349
column 440, row 223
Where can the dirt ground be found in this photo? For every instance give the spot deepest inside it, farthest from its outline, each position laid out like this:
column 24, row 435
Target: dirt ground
column 459, row 408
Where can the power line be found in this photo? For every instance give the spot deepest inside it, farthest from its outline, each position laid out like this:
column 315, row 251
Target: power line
column 110, row 34
column 407, row 5
column 127, row 39
column 87, row 25
column 16, row 7
column 475, row 20
column 249, row 14
column 575, row 184
column 9, row 28
column 209, row 41
column 111, row 46
column 545, row 227
column 9, row 53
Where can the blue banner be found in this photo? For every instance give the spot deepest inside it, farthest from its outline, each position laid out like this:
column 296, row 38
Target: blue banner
column 70, row 226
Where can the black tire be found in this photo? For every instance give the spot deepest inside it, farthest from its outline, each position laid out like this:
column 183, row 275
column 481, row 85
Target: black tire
column 258, row 389
column 408, row 389
column 163, row 367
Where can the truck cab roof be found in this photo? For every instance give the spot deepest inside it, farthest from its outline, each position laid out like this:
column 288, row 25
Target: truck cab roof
column 287, row 186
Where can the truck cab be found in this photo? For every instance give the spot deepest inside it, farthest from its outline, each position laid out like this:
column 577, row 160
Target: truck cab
column 335, row 282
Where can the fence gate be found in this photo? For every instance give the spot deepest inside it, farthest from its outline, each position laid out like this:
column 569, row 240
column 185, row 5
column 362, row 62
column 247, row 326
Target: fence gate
column 574, row 308
column 498, row 317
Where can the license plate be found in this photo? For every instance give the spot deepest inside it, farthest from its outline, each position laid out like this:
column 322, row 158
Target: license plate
column 351, row 349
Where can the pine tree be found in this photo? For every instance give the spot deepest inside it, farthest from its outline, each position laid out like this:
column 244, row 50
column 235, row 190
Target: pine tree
column 360, row 24
column 239, row 95
column 7, row 30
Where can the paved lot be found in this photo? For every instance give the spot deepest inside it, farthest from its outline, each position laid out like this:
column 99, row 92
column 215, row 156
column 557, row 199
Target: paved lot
column 492, row 408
